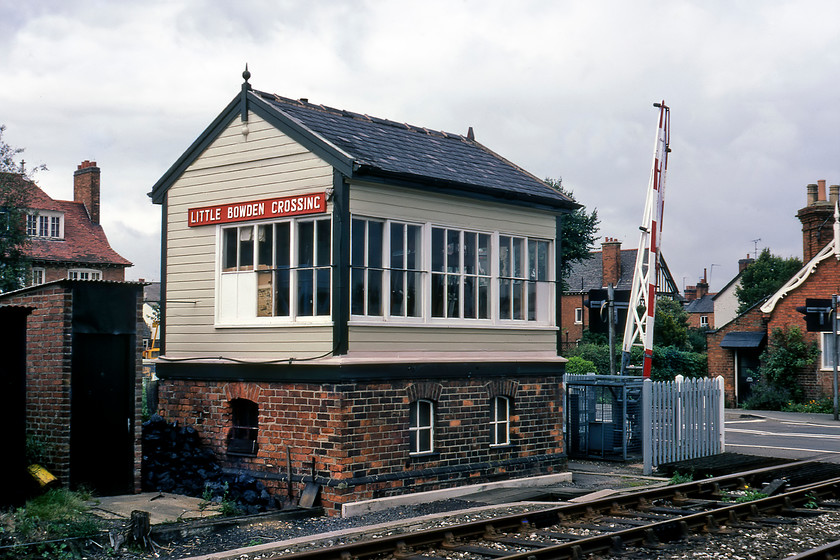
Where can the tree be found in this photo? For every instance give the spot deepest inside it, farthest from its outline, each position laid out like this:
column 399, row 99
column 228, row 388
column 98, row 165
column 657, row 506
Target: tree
column 763, row 277
column 14, row 193
column 580, row 231
column 670, row 326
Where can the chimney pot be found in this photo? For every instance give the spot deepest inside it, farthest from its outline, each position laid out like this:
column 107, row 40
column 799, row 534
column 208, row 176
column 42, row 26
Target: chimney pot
column 834, row 194
column 821, row 190
column 812, row 194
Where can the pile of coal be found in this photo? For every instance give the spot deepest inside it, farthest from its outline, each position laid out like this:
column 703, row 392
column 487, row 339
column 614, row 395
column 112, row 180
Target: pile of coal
column 175, row 461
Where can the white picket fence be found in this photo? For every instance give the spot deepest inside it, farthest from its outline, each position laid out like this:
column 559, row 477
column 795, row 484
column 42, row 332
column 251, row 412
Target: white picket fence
column 681, row 419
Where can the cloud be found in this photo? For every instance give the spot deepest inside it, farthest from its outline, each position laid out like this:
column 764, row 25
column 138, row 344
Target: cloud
column 563, row 89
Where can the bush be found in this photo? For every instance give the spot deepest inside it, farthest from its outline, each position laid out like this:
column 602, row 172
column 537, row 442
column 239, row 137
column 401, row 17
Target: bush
column 764, row 396
column 578, row 366
column 786, row 355
column 596, row 354
column 824, row 406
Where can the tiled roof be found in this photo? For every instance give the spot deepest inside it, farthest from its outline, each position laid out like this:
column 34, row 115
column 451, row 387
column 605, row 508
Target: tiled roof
column 705, row 304
column 390, row 149
column 588, row 274
column 84, row 242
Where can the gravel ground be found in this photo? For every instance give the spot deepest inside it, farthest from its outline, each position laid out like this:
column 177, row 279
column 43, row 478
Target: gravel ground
column 745, row 543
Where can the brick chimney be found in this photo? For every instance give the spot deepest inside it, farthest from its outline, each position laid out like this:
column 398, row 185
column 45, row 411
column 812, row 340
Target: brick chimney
column 86, row 188
column 817, row 219
column 744, row 263
column 611, row 261
column 702, row 286
column 690, row 293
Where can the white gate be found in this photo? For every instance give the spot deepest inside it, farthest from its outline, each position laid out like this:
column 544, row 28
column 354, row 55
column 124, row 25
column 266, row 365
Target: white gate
column 681, row 419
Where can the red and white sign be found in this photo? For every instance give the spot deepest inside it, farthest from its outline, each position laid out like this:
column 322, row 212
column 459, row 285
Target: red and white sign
column 312, row 203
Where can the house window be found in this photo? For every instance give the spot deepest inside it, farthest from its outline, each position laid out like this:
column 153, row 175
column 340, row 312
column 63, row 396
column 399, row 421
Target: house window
column 827, row 350
column 386, row 254
column 578, row 315
column 523, row 279
column 280, row 269
column 421, row 426
column 37, row 276
column 500, row 421
column 704, row 321
column 460, row 274
column 242, row 438
column 44, row 225
column 84, row 274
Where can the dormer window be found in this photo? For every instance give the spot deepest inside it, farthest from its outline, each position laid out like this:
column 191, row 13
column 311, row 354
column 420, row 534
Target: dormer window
column 45, row 224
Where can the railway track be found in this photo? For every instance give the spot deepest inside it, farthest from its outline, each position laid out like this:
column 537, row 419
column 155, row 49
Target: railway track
column 646, row 519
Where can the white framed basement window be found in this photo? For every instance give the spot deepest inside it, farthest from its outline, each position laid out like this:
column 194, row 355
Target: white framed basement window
column 275, row 272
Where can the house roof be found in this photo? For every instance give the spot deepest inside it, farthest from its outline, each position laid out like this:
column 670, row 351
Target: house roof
column 588, row 274
column 365, row 147
column 705, row 304
column 84, row 243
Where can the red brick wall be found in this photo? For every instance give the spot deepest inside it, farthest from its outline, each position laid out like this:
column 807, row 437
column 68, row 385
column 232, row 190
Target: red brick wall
column 721, row 361
column 569, row 331
column 48, row 357
column 358, row 433
column 48, row 377
column 59, row 272
column 822, row 283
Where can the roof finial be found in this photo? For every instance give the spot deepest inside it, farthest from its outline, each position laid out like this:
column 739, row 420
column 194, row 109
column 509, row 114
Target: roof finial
column 470, row 134
column 246, row 75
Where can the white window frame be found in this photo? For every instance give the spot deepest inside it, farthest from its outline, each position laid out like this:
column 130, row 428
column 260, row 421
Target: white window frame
column 544, row 288
column 237, row 290
column 704, row 321
column 498, row 423
column 39, row 275
column 578, row 315
column 45, row 224
column 415, row 428
column 457, row 270
column 84, row 274
column 389, row 273
column 826, row 345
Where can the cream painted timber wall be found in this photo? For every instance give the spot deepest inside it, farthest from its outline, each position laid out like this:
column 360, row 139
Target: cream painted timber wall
column 234, row 168
column 457, row 212
column 267, row 164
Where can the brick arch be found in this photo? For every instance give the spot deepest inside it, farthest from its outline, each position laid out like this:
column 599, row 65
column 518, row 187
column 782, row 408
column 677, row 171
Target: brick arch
column 427, row 390
column 240, row 390
column 499, row 388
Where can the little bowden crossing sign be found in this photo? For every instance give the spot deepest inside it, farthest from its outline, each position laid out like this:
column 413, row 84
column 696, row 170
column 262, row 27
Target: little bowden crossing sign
column 312, row 203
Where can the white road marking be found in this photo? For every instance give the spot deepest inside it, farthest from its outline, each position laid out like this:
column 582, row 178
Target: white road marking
column 776, row 434
column 785, row 448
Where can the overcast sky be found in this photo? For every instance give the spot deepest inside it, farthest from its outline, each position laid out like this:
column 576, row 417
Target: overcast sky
column 562, row 88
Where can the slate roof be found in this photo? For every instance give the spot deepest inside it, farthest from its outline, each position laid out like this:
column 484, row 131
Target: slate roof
column 361, row 146
column 705, row 304
column 84, row 243
column 588, row 274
